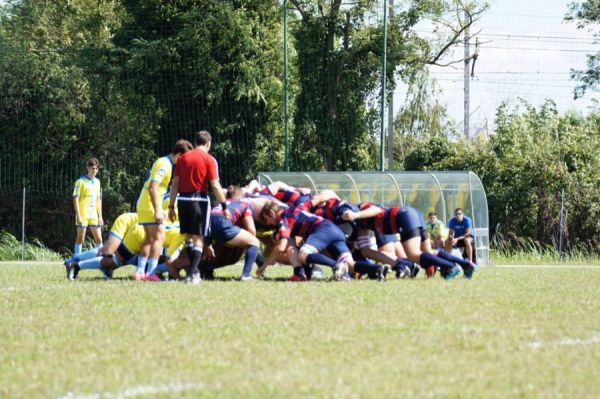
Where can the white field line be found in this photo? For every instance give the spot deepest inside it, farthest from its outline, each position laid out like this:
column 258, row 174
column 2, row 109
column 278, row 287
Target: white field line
column 565, row 342
column 38, row 287
column 544, row 266
column 140, row 390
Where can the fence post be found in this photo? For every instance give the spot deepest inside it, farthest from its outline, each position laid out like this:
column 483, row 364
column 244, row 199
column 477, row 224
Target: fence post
column 562, row 221
column 23, row 227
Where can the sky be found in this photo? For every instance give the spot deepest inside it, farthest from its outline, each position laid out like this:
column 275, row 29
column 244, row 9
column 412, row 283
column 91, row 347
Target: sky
column 527, row 51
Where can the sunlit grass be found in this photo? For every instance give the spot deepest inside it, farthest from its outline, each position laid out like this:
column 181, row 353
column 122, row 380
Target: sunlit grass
column 506, row 333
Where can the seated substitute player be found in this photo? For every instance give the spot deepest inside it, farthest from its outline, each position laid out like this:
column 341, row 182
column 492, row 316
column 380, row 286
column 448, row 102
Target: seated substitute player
column 87, row 203
column 460, row 233
column 436, row 231
column 410, row 224
column 150, row 209
column 319, row 235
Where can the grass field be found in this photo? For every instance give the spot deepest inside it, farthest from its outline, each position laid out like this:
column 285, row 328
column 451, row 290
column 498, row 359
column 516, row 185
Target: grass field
column 510, row 332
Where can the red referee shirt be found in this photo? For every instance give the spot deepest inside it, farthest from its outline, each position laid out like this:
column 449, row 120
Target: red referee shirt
column 195, row 169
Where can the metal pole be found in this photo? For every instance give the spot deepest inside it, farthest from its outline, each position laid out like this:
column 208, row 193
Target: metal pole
column 390, row 128
column 466, row 78
column 23, row 227
column 285, row 86
column 562, row 212
column 383, row 81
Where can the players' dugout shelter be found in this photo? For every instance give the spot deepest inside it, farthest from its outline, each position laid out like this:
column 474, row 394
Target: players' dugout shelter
column 441, row 192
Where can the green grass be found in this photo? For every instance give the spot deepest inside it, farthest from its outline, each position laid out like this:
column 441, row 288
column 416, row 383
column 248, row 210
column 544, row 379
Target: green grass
column 510, row 332
column 11, row 249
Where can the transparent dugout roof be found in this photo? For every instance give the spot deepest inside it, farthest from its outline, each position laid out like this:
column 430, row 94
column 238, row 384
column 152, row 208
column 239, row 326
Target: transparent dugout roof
column 441, row 192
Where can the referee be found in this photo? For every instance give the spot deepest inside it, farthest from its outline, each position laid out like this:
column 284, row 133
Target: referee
column 193, row 171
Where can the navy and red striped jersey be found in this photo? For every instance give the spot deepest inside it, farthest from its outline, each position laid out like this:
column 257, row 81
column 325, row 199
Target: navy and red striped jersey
column 238, row 210
column 289, row 197
column 384, row 223
column 333, row 209
column 297, row 222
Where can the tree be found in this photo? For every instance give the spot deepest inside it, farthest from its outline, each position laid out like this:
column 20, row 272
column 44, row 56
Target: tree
column 585, row 14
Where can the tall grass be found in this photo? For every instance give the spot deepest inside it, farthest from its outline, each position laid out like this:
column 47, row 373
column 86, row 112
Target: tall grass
column 10, row 249
column 520, row 250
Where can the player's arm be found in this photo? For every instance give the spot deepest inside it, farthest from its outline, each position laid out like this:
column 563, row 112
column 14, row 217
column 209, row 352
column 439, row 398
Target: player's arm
column 278, row 250
column 248, row 224
column 218, row 190
column 76, row 193
column 173, row 197
column 99, row 207
column 362, row 214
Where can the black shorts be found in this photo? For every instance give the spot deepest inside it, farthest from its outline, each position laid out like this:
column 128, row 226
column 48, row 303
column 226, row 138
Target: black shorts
column 194, row 213
column 461, row 243
column 419, row 231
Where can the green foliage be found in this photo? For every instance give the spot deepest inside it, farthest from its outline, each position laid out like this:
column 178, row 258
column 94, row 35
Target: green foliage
column 586, row 14
column 11, row 249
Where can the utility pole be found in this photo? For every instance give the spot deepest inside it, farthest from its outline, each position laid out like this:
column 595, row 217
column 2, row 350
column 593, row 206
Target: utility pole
column 466, row 86
column 383, row 90
column 390, row 129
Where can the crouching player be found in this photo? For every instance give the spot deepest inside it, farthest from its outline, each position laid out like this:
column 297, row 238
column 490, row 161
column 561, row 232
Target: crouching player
column 319, row 235
column 410, row 224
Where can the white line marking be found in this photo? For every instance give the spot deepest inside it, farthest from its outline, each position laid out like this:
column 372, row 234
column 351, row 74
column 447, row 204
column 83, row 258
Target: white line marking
column 140, row 390
column 545, row 266
column 565, row 342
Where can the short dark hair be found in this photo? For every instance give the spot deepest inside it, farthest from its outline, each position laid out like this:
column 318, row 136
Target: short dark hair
column 458, row 210
column 202, row 138
column 234, row 192
column 181, row 147
column 93, row 162
column 432, row 214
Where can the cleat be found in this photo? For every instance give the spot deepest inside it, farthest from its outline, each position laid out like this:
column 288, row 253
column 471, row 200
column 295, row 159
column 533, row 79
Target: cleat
column 106, row 273
column 451, row 274
column 247, row 278
column 72, row 270
column 346, row 277
column 430, row 271
column 469, row 270
column 414, row 270
column 152, row 278
column 317, row 273
column 193, row 279
column 340, row 270
column 138, row 277
column 382, row 274
column 298, row 277
column 402, row 272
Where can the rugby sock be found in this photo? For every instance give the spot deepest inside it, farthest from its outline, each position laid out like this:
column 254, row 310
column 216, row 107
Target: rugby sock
column 320, row 259
column 152, row 263
column 251, row 254
column 141, row 265
column 87, row 255
column 162, row 268
column 78, row 248
column 190, row 253
column 455, row 259
column 403, row 262
column 426, row 259
column 260, row 259
column 364, row 267
column 195, row 259
column 91, row 263
column 299, row 271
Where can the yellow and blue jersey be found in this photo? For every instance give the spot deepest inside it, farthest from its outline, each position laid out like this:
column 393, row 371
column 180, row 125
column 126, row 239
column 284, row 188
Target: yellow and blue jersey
column 174, row 241
column 89, row 194
column 161, row 173
column 123, row 223
column 134, row 238
column 436, row 230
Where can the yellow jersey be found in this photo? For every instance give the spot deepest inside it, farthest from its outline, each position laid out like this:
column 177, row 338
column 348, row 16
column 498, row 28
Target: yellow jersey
column 89, row 194
column 123, row 223
column 174, row 241
column 160, row 173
